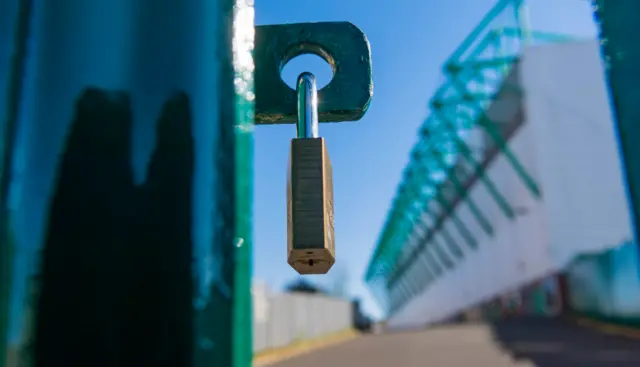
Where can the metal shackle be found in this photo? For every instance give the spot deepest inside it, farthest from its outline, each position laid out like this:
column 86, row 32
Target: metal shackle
column 307, row 92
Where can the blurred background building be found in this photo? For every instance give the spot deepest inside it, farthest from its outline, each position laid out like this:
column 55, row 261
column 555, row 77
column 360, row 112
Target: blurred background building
column 514, row 200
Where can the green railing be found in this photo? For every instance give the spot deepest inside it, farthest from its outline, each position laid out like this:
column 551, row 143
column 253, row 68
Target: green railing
column 443, row 165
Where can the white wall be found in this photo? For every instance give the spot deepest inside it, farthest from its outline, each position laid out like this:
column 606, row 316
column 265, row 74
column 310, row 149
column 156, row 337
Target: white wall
column 578, row 157
column 568, row 145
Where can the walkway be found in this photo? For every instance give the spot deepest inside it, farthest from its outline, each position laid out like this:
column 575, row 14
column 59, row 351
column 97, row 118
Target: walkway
column 520, row 342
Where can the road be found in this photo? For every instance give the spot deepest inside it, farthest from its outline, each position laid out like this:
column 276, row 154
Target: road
column 518, row 342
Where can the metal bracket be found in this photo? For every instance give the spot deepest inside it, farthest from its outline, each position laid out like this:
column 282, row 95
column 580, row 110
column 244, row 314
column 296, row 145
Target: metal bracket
column 343, row 45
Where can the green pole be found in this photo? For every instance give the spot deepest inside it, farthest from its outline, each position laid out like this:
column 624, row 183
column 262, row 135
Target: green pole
column 125, row 191
column 617, row 25
column 243, row 310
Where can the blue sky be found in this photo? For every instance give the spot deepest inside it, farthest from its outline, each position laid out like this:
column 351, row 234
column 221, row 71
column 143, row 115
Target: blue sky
column 410, row 39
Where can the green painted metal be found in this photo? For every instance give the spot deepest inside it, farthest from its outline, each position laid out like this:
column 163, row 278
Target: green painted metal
column 126, row 240
column 415, row 252
column 421, row 174
column 243, row 47
column 455, row 249
column 457, row 222
column 485, row 23
column 503, row 204
column 475, row 73
column 436, row 266
column 446, row 206
column 618, row 25
column 464, row 231
column 14, row 35
column 343, row 45
column 401, row 268
column 490, row 127
column 479, row 172
column 426, row 273
column 448, row 210
column 437, row 157
column 442, row 256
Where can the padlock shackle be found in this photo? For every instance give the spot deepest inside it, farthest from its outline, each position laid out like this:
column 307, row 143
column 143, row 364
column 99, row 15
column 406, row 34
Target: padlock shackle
column 307, row 92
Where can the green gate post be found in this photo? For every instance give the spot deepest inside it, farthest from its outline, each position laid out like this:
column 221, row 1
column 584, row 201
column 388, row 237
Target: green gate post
column 13, row 16
column 125, row 191
column 618, row 24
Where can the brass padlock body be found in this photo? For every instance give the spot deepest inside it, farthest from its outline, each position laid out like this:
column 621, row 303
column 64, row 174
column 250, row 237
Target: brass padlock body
column 310, row 235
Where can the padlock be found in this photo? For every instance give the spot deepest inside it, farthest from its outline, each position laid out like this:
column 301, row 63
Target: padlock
column 311, row 242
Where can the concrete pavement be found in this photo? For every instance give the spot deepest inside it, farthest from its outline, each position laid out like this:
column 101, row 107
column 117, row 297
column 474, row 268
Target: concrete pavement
column 517, row 342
